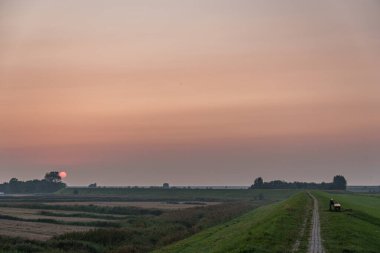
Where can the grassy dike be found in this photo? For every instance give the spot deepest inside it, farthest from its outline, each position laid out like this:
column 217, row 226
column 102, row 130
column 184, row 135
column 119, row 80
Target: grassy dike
column 271, row 228
column 351, row 231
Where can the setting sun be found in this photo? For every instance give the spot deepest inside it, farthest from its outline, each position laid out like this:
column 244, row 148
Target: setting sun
column 63, row 174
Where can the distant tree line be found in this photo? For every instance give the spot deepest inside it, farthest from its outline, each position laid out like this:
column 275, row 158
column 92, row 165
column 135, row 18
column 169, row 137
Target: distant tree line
column 52, row 182
column 339, row 183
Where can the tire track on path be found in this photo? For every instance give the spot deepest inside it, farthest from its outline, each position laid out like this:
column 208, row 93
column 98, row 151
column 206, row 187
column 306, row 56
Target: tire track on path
column 315, row 243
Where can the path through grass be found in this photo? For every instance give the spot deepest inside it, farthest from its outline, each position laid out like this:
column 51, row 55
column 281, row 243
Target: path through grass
column 272, row 228
column 351, row 231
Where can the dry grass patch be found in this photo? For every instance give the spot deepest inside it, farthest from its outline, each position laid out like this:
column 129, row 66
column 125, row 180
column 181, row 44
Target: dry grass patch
column 36, row 230
column 34, row 214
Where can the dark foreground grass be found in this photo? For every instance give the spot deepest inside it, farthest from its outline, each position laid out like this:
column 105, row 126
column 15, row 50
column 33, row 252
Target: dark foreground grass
column 272, row 228
column 356, row 229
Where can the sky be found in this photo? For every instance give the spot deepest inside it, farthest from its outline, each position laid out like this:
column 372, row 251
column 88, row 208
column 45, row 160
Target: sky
column 200, row 92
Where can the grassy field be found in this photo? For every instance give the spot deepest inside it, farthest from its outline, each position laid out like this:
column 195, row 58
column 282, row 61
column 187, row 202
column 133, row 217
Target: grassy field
column 356, row 229
column 185, row 220
column 272, row 228
column 178, row 194
column 144, row 219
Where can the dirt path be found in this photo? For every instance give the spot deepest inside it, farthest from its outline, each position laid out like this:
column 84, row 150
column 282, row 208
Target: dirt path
column 315, row 244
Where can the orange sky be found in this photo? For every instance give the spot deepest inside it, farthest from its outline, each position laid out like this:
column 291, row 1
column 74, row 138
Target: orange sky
column 190, row 92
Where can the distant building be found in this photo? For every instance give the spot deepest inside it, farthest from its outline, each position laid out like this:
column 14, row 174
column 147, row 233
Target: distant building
column 165, row 186
column 94, row 185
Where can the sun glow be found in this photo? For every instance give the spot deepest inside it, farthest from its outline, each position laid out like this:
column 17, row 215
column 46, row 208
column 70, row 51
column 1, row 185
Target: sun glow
column 63, row 174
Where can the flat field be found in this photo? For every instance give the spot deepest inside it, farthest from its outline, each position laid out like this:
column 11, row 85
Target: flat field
column 176, row 194
column 186, row 220
column 39, row 214
column 131, row 220
column 36, row 230
column 139, row 204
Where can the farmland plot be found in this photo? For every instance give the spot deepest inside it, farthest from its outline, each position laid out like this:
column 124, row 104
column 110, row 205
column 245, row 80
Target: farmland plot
column 36, row 230
column 36, row 214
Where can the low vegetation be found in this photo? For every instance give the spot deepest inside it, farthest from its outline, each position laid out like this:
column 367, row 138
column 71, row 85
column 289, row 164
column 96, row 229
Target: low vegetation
column 356, row 228
column 176, row 194
column 120, row 210
column 272, row 228
column 80, row 215
column 141, row 233
column 141, row 229
column 55, row 221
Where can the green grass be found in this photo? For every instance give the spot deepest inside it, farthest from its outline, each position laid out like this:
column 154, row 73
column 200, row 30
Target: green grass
column 356, row 229
column 271, row 228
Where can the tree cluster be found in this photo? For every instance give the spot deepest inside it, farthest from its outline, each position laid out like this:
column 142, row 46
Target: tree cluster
column 52, row 182
column 339, row 183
